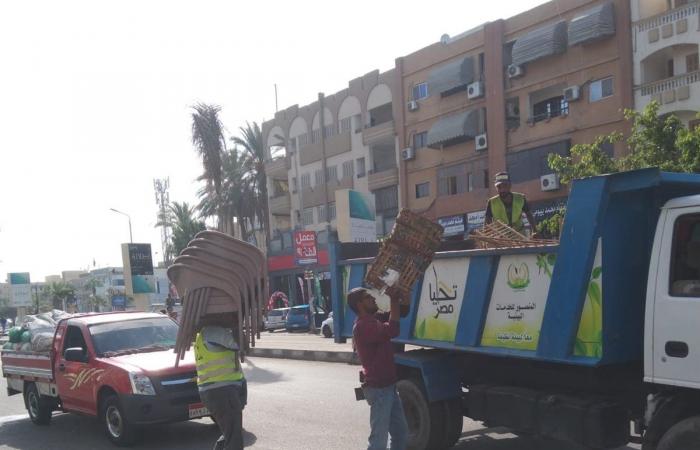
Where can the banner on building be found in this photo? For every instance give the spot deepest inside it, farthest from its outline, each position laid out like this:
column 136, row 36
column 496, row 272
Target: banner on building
column 475, row 220
column 453, row 225
column 305, row 251
column 138, row 269
column 20, row 289
column 355, row 216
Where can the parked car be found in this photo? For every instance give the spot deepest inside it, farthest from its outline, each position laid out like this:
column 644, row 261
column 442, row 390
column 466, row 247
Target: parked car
column 276, row 319
column 298, row 318
column 327, row 326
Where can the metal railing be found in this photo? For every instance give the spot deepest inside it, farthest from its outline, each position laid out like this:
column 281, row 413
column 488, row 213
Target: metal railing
column 657, row 87
column 668, row 17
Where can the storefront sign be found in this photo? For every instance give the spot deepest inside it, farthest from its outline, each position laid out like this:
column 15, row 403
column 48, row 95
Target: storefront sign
column 453, row 225
column 475, row 220
column 305, row 247
column 20, row 289
column 355, row 216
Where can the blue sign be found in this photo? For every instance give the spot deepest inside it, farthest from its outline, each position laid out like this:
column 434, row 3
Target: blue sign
column 118, row 301
column 453, row 225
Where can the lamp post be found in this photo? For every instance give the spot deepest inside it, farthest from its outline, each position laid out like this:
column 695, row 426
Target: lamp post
column 131, row 239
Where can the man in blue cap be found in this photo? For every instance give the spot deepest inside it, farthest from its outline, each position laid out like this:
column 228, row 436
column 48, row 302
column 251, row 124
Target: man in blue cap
column 508, row 207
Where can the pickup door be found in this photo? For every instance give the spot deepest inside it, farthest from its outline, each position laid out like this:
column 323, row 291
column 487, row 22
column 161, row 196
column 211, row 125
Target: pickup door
column 676, row 350
column 75, row 379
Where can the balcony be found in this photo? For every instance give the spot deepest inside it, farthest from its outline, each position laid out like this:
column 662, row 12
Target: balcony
column 382, row 132
column 385, row 178
column 679, row 93
column 338, row 143
column 280, row 205
column 278, row 167
column 677, row 26
column 310, row 153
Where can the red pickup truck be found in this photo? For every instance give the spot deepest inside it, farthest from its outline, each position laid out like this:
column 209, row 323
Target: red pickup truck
column 116, row 366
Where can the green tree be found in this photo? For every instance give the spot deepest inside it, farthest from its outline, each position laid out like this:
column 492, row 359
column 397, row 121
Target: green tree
column 94, row 301
column 253, row 155
column 59, row 293
column 181, row 219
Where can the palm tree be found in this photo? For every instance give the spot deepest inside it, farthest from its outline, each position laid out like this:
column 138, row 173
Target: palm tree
column 59, row 292
column 209, row 142
column 181, row 219
column 254, row 160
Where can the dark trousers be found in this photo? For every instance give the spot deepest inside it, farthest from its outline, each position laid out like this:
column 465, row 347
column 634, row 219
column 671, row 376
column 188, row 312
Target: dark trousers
column 224, row 404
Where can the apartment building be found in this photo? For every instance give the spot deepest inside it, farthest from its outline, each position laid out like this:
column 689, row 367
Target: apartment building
column 666, row 39
column 346, row 140
column 504, row 96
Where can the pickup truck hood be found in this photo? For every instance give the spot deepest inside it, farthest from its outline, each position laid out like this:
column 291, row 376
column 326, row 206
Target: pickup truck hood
column 154, row 363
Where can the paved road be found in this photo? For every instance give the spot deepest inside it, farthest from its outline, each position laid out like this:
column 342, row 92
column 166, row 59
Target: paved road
column 292, row 405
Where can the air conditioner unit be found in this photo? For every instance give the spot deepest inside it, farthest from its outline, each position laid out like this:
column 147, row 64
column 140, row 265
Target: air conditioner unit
column 549, row 182
column 475, row 90
column 572, row 93
column 408, row 154
column 413, row 105
column 515, row 71
column 481, row 142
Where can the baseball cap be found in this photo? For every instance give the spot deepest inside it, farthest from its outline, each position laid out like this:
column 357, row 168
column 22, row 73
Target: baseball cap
column 501, row 177
column 355, row 295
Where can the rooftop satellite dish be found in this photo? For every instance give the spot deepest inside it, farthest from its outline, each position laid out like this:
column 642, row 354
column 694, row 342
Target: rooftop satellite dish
column 445, row 39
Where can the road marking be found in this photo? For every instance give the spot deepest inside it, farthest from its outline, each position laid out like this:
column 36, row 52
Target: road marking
column 15, row 418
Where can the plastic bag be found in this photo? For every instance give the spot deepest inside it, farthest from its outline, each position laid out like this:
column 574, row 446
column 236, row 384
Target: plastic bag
column 42, row 342
column 15, row 334
column 26, row 336
column 26, row 347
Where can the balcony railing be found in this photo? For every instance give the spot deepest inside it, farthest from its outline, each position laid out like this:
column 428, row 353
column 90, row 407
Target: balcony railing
column 378, row 132
column 280, row 204
column 668, row 17
column 277, row 166
column 658, row 87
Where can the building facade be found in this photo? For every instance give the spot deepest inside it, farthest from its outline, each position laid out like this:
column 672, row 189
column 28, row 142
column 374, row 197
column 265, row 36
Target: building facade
column 666, row 38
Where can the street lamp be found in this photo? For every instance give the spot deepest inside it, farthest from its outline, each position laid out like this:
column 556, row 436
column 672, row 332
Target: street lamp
column 131, row 239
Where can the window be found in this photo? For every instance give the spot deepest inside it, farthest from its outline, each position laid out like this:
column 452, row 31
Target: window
column 321, row 213
column 420, row 91
column 692, row 63
column 74, row 338
column 420, row 140
column 600, row 89
column 452, row 180
column 307, row 217
column 386, row 199
column 685, row 261
column 360, row 165
column 303, row 139
column 531, row 164
column 423, row 190
column 345, row 124
column 670, row 70
column 329, row 130
column 470, row 182
column 318, row 177
column 305, row 180
column 348, row 169
column 331, row 174
column 331, row 211
column 552, row 107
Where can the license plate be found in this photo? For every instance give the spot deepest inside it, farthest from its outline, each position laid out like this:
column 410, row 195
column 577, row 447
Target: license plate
column 198, row 410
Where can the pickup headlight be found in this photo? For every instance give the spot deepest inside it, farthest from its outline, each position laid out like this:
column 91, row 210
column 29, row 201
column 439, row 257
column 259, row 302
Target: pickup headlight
column 141, row 384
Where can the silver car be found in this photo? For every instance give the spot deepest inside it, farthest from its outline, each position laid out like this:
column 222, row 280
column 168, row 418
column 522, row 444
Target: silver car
column 276, row 319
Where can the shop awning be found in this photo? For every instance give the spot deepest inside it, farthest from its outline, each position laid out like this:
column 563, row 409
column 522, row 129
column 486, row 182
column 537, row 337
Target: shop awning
column 465, row 125
column 596, row 23
column 451, row 76
column 542, row 42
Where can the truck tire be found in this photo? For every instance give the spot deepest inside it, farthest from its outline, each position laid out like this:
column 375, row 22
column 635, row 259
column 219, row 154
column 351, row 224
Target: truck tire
column 454, row 419
column 38, row 407
column 116, row 426
column 426, row 421
column 684, row 435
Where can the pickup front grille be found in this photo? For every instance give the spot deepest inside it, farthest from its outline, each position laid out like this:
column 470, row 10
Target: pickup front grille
column 179, row 383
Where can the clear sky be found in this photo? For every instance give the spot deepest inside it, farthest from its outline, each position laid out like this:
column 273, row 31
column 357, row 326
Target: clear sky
column 95, row 100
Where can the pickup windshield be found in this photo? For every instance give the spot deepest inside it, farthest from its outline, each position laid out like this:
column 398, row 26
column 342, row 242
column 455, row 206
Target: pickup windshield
column 133, row 336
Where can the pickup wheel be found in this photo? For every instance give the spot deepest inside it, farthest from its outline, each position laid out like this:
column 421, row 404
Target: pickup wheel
column 426, row 421
column 39, row 408
column 684, row 435
column 116, row 425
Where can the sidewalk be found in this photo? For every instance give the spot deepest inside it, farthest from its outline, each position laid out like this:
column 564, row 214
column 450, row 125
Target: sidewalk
column 302, row 345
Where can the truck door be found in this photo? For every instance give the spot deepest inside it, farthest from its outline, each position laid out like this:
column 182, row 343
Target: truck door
column 73, row 377
column 676, row 351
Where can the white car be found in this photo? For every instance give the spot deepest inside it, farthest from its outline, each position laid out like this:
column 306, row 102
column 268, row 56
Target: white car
column 327, row 326
column 276, row 319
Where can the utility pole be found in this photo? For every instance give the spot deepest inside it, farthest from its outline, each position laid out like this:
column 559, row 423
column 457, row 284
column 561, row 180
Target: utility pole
column 161, row 187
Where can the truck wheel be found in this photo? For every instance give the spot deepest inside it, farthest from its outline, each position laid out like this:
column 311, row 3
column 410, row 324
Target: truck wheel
column 327, row 333
column 39, row 408
column 426, row 421
column 455, row 421
column 116, row 425
column 684, row 435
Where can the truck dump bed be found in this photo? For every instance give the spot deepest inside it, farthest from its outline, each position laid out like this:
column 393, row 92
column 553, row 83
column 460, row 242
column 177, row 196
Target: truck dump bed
column 581, row 302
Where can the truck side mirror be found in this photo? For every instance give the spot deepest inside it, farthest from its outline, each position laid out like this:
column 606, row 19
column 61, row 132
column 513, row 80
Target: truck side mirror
column 75, row 354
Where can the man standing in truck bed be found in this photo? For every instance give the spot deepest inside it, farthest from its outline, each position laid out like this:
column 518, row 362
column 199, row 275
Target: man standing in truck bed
column 508, row 207
column 372, row 338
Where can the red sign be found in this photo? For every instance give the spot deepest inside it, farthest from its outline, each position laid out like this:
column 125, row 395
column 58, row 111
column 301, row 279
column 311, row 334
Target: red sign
column 305, row 247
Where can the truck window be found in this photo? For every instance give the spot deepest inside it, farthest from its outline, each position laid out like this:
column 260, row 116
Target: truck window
column 74, row 338
column 685, row 259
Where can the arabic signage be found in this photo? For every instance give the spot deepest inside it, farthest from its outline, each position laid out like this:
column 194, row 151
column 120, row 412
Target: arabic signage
column 518, row 300
column 305, row 247
column 441, row 299
column 475, row 220
column 545, row 210
column 453, row 225
column 20, row 289
column 140, row 259
column 355, row 216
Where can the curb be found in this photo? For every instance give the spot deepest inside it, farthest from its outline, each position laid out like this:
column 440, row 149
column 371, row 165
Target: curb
column 305, row 355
